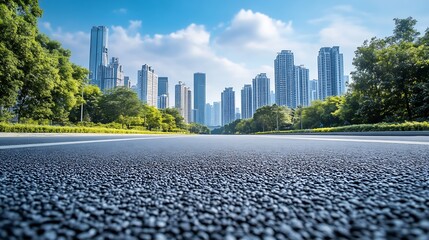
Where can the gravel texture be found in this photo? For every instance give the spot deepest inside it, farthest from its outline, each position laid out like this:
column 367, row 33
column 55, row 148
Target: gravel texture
column 219, row 187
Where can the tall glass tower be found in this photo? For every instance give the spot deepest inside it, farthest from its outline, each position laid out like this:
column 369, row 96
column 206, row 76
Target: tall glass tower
column 285, row 86
column 331, row 72
column 97, row 54
column 261, row 91
column 199, row 97
column 228, row 106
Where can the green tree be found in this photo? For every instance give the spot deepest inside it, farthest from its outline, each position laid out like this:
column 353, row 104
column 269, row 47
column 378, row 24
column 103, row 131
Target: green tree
column 152, row 117
column 179, row 120
column 198, row 128
column 268, row 118
column 118, row 102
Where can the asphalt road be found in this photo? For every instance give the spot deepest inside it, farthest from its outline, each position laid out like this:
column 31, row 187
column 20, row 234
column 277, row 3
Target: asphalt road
column 214, row 187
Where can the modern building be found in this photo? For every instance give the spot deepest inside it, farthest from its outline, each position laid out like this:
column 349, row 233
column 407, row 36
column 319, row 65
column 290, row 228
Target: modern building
column 246, row 102
column 182, row 100
column 112, row 75
column 199, row 97
column 208, row 115
column 147, row 83
column 313, row 90
column 237, row 114
column 163, row 101
column 228, row 106
column 217, row 114
column 97, row 54
column 163, row 90
column 302, row 79
column 127, row 82
column 272, row 97
column 260, row 91
column 285, row 87
column 330, row 72
column 162, row 86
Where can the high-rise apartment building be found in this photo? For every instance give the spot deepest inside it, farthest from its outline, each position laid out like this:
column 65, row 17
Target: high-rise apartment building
column 112, row 75
column 331, row 72
column 246, row 102
column 147, row 83
column 302, row 79
column 217, row 114
column 182, row 100
column 285, row 87
column 261, row 91
column 97, row 54
column 313, row 90
column 199, row 97
column 228, row 106
column 272, row 97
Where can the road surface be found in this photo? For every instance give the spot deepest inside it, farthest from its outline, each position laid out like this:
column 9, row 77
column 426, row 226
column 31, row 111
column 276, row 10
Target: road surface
column 214, row 187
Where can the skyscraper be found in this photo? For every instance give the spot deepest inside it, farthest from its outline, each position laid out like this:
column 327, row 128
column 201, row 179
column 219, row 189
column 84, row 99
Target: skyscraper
column 162, row 86
column 330, row 72
column 147, row 83
column 199, row 97
column 127, row 82
column 228, row 106
column 182, row 100
column 272, row 97
column 313, row 90
column 246, row 102
column 163, row 90
column 112, row 75
column 284, row 79
column 97, row 54
column 217, row 114
column 261, row 91
column 302, row 79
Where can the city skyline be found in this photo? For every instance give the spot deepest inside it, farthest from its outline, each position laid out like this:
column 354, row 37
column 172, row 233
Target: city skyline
column 239, row 41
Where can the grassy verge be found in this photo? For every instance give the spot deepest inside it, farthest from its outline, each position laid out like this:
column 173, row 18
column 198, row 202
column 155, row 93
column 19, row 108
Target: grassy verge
column 407, row 126
column 30, row 128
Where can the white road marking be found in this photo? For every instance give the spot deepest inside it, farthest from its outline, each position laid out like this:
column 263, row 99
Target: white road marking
column 33, row 145
column 349, row 140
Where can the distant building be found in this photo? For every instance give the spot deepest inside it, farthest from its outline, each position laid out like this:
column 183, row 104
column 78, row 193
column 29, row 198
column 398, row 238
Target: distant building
column 285, row 87
column 199, row 97
column 189, row 105
column 147, row 83
column 313, row 88
column 163, row 90
column 302, row 79
column 182, row 101
column 260, row 91
column 246, row 102
column 127, row 82
column 163, row 101
column 217, row 114
column 228, row 106
column 346, row 83
column 208, row 115
column 97, row 54
column 272, row 97
column 331, row 72
column 112, row 75
column 237, row 114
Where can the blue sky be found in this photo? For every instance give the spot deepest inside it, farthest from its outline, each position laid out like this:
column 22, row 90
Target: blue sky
column 230, row 40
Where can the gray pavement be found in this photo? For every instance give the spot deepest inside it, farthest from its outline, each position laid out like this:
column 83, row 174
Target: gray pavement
column 214, row 187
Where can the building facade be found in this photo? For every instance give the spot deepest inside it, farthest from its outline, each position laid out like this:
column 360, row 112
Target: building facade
column 246, row 102
column 228, row 106
column 285, row 86
column 330, row 72
column 127, row 82
column 163, row 90
column 302, row 78
column 208, row 112
column 182, row 101
column 313, row 89
column 217, row 114
column 112, row 75
column 260, row 91
column 163, row 101
column 147, row 83
column 98, row 56
column 199, row 97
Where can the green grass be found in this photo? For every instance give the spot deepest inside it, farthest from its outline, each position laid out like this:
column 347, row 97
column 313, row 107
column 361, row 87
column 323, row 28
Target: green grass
column 407, row 126
column 32, row 128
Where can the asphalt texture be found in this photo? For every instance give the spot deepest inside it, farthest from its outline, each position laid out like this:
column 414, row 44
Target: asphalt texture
column 215, row 187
